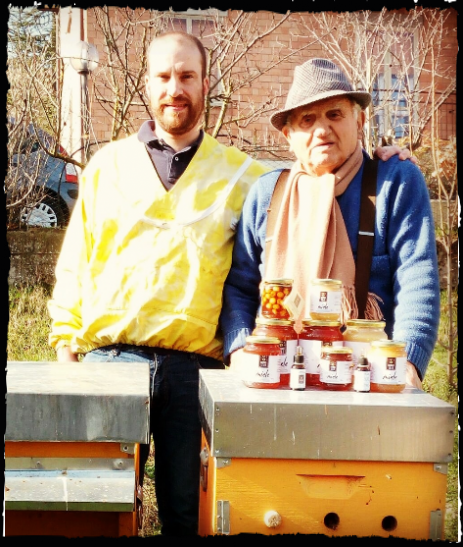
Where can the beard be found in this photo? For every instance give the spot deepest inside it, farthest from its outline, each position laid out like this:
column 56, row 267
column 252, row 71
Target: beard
column 179, row 123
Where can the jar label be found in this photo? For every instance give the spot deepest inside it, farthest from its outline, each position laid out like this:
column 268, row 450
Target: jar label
column 388, row 370
column 324, row 301
column 361, row 380
column 288, row 351
column 261, row 368
column 335, row 372
column 297, row 379
column 312, row 353
column 358, row 349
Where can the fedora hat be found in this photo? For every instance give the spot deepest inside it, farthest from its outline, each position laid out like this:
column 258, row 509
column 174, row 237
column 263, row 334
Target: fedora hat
column 315, row 80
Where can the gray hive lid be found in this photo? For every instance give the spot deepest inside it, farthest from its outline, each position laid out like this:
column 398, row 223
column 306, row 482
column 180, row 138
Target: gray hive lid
column 86, row 402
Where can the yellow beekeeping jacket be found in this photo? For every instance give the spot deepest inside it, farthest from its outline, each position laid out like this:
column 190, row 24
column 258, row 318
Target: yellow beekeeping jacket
column 145, row 266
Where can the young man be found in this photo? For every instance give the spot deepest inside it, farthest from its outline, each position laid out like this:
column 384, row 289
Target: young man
column 146, row 253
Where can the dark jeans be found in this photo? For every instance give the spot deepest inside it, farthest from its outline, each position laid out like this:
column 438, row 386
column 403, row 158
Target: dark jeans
column 175, row 426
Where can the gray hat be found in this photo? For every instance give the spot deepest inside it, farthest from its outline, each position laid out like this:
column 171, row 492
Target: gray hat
column 315, row 80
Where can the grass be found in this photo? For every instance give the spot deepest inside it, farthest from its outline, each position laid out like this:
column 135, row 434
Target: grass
column 28, row 329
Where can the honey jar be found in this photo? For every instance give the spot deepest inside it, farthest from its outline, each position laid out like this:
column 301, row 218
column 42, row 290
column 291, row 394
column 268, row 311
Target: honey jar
column 336, row 368
column 261, row 360
column 313, row 336
column 360, row 333
column 325, row 299
column 388, row 361
column 283, row 329
column 273, row 294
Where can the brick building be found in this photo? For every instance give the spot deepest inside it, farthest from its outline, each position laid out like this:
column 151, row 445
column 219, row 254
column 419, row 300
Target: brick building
column 397, row 70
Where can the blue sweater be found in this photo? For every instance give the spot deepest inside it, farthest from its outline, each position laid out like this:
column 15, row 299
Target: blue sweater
column 404, row 271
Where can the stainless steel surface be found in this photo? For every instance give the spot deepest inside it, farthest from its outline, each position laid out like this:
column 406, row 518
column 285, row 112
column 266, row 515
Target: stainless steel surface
column 50, row 401
column 223, row 517
column 76, row 490
column 435, row 525
column 64, row 464
column 238, row 421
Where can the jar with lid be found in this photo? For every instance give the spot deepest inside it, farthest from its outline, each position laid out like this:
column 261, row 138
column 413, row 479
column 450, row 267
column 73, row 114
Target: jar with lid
column 336, row 368
column 313, row 336
column 261, row 360
column 359, row 334
column 325, row 299
column 388, row 361
column 273, row 294
column 283, row 329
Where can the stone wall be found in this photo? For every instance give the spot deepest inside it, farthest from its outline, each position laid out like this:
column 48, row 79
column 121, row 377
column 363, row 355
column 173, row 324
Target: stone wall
column 33, row 255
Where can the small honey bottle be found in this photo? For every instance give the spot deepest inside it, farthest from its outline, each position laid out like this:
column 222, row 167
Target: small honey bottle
column 298, row 376
column 362, row 375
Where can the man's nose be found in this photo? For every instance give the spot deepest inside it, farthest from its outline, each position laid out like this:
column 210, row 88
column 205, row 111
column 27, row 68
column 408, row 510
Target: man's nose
column 321, row 126
column 173, row 86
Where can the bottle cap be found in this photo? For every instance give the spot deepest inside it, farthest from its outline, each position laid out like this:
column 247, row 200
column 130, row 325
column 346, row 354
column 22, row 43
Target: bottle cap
column 298, row 356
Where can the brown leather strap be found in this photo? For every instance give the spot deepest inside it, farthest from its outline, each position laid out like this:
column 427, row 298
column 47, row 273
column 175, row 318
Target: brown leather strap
column 272, row 211
column 366, row 235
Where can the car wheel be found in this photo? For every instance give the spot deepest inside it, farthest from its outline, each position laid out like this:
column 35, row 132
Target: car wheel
column 47, row 213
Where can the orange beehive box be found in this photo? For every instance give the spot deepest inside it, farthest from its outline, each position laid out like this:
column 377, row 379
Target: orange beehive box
column 278, row 461
column 71, row 448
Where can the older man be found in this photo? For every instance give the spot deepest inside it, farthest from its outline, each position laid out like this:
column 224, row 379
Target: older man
column 316, row 228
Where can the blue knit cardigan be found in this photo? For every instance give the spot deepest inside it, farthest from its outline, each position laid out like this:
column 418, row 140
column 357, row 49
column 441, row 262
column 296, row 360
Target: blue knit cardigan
column 404, row 271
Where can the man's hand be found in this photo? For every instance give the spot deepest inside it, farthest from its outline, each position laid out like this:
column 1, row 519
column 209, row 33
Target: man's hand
column 237, row 363
column 386, row 152
column 65, row 355
column 411, row 376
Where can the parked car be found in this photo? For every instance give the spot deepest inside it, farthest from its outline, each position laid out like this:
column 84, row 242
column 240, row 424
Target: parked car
column 41, row 190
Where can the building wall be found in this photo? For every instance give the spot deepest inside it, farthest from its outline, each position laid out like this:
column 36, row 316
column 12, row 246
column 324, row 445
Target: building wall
column 276, row 81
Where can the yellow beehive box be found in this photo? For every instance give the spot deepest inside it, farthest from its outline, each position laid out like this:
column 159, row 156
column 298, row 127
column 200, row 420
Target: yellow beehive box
column 320, row 462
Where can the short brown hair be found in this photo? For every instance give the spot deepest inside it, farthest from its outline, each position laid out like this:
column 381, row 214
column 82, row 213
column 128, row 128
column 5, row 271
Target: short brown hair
column 190, row 38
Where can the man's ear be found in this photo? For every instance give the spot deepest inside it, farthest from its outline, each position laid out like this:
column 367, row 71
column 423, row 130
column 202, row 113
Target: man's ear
column 286, row 132
column 361, row 119
column 147, row 85
column 205, row 85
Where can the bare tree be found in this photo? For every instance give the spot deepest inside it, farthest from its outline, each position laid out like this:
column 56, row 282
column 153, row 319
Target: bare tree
column 387, row 53
column 233, row 43
column 118, row 84
column 33, row 111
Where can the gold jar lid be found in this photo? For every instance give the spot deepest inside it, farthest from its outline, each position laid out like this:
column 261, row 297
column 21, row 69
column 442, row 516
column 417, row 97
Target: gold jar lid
column 255, row 339
column 333, row 282
column 365, row 323
column 282, row 281
column 274, row 322
column 388, row 344
column 320, row 323
column 336, row 349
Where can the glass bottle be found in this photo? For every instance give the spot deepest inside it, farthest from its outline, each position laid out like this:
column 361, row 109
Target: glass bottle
column 273, row 294
column 325, row 299
column 313, row 336
column 261, row 359
column 336, row 368
column 362, row 375
column 283, row 329
column 359, row 334
column 298, row 377
column 388, row 361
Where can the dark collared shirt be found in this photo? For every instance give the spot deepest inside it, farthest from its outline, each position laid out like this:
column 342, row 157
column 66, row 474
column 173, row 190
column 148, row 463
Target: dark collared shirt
column 168, row 163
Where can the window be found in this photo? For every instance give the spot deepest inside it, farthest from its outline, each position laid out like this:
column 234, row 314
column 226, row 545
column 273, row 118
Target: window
column 202, row 24
column 394, row 94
